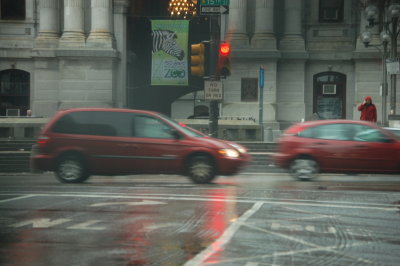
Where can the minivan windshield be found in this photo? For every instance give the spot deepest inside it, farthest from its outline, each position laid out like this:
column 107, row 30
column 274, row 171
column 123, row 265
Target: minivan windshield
column 189, row 131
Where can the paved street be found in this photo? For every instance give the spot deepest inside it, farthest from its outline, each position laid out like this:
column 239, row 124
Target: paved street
column 249, row 219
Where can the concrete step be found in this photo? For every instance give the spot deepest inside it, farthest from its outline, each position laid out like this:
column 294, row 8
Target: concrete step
column 16, row 145
column 261, row 163
column 14, row 161
column 260, row 146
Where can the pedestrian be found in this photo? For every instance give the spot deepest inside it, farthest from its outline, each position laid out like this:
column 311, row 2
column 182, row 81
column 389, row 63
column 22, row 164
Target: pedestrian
column 368, row 110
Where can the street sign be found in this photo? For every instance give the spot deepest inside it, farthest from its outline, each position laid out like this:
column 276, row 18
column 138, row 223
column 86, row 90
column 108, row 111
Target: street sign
column 214, row 9
column 261, row 77
column 393, row 67
column 215, row 2
column 213, row 90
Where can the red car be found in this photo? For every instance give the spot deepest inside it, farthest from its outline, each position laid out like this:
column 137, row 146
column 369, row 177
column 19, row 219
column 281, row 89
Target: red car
column 340, row 146
column 77, row 143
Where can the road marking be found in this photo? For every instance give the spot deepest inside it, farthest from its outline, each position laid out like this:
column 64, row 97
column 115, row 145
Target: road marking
column 41, row 223
column 17, row 198
column 87, row 225
column 280, row 202
column 134, row 203
column 219, row 243
column 307, row 250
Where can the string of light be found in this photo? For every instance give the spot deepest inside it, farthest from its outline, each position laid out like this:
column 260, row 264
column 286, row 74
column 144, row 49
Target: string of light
column 182, row 8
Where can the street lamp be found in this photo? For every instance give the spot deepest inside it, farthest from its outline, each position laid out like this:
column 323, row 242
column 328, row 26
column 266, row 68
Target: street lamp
column 389, row 12
column 366, row 38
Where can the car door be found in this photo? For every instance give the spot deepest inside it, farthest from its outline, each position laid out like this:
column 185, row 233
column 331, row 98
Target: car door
column 375, row 151
column 159, row 149
column 331, row 145
column 106, row 139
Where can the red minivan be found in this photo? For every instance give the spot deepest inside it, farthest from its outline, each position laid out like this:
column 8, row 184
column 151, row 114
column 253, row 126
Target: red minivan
column 80, row 142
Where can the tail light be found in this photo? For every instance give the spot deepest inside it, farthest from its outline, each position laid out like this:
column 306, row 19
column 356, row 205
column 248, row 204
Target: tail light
column 43, row 141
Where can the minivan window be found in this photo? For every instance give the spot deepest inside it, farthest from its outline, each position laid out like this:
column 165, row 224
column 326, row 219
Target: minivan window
column 187, row 130
column 150, row 127
column 95, row 123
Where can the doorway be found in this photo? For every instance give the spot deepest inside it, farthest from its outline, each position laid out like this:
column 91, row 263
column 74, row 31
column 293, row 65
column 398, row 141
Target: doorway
column 14, row 92
column 329, row 101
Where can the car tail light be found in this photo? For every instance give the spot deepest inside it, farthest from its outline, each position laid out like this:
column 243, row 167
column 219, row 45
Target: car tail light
column 294, row 130
column 43, row 141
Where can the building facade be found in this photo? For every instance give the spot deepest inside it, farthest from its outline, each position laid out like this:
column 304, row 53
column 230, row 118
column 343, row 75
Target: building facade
column 57, row 54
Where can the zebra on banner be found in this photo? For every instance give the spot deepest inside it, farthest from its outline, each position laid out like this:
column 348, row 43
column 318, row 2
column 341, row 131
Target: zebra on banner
column 165, row 40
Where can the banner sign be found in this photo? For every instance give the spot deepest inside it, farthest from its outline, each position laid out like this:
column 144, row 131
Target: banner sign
column 169, row 65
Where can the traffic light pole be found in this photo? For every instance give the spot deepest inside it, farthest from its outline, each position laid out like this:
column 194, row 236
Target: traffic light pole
column 214, row 75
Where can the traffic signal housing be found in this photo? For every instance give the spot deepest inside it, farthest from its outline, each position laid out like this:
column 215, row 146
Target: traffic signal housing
column 197, row 59
column 224, row 62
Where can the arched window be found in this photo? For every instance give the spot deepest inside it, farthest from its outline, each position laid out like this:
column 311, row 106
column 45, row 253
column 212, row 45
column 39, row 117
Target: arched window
column 330, row 95
column 14, row 92
column 12, row 9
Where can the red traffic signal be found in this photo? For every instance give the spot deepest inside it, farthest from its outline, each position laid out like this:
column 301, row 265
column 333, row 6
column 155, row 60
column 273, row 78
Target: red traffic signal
column 224, row 49
column 224, row 63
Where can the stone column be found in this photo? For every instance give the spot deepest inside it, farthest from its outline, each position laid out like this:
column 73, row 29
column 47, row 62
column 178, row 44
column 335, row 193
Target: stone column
column 264, row 36
column 120, row 85
column 236, row 33
column 100, row 35
column 48, row 35
column 293, row 36
column 73, row 35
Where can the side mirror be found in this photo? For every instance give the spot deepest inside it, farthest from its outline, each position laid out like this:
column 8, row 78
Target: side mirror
column 174, row 133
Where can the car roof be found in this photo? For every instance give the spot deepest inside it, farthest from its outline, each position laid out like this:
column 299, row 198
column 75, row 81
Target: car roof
column 104, row 109
column 313, row 123
column 335, row 121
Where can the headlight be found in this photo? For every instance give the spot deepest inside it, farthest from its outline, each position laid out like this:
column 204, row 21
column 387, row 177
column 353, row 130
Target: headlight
column 241, row 149
column 229, row 153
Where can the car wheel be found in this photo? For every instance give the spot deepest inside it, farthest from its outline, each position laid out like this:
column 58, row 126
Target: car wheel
column 201, row 169
column 71, row 169
column 304, row 168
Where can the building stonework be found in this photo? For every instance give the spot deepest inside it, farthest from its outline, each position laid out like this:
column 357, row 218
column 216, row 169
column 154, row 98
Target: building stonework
column 76, row 55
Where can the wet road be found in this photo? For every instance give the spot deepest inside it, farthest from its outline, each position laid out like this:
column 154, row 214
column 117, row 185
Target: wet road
column 265, row 219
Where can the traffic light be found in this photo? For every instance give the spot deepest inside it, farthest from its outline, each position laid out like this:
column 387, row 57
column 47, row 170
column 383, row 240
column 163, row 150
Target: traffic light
column 224, row 62
column 197, row 59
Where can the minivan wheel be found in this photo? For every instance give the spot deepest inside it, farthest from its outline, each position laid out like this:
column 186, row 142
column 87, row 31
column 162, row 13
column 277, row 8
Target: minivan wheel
column 71, row 169
column 201, row 169
column 304, row 168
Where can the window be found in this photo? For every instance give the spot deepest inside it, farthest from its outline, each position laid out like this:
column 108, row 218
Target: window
column 331, row 10
column 249, row 89
column 328, row 89
column 12, row 9
column 331, row 132
column 371, row 135
column 95, row 123
column 149, row 127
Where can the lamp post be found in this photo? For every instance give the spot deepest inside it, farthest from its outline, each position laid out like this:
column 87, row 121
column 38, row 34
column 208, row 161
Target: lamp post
column 387, row 17
column 385, row 38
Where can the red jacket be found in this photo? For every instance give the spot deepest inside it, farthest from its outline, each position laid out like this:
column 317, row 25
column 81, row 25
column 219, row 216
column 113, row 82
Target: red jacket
column 368, row 112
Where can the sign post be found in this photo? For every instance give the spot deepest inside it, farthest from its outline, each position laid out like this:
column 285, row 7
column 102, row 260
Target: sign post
column 214, row 9
column 261, row 102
